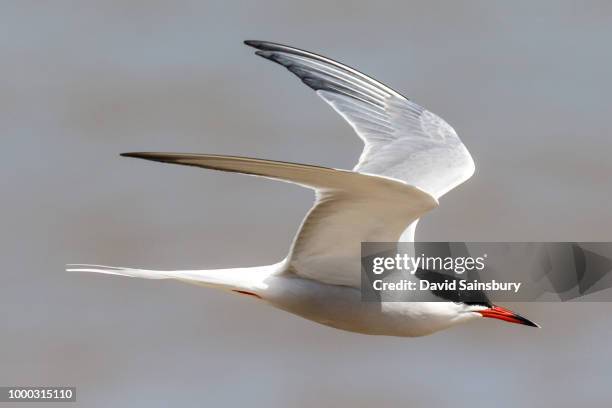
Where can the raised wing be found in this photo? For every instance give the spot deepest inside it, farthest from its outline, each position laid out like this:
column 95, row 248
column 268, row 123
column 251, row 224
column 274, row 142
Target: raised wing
column 401, row 139
column 350, row 208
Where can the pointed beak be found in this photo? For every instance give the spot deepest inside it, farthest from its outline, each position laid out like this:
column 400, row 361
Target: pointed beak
column 496, row 312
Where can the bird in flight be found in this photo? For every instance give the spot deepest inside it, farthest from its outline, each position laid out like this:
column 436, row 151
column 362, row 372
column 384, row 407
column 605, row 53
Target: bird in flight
column 411, row 157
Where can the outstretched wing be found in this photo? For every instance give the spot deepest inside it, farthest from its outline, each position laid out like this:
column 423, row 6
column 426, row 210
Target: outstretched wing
column 350, row 208
column 401, row 139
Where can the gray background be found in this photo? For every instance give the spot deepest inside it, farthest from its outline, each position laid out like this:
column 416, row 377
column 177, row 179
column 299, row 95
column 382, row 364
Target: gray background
column 526, row 84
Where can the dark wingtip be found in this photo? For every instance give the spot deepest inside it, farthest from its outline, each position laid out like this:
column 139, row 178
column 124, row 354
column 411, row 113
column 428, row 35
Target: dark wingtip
column 269, row 46
column 260, row 45
column 158, row 157
column 138, row 155
column 254, row 43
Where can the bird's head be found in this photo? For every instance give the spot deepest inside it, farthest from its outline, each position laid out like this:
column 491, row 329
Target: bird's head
column 436, row 316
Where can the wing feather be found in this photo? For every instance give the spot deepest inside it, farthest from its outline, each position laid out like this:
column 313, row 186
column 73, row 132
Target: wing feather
column 410, row 158
column 401, row 139
column 350, row 208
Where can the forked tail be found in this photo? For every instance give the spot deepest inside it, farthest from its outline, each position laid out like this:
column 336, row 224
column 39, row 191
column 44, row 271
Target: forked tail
column 250, row 281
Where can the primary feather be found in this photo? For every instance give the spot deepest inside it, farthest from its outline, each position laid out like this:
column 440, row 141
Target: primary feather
column 401, row 139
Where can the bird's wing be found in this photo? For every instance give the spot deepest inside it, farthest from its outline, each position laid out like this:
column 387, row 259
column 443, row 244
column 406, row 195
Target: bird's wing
column 350, row 208
column 401, row 139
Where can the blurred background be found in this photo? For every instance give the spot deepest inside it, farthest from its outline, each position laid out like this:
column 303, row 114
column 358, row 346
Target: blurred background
column 525, row 84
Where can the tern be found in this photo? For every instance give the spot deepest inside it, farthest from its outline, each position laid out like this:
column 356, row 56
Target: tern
column 411, row 158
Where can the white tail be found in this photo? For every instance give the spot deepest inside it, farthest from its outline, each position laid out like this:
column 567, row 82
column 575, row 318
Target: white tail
column 243, row 280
